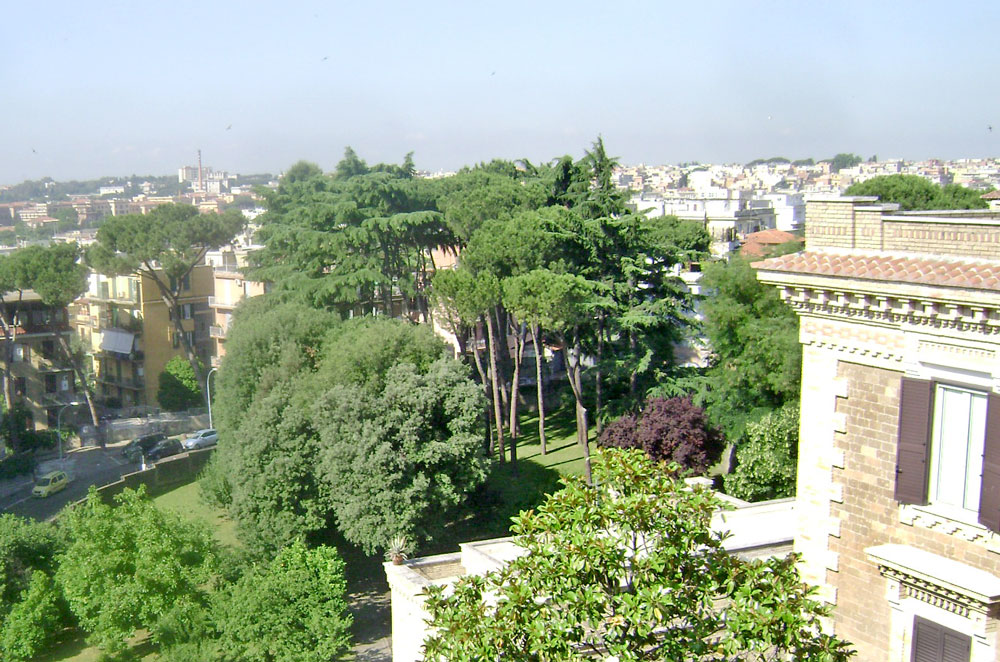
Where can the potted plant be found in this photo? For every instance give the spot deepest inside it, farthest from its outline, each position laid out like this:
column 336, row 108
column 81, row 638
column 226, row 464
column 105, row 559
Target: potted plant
column 398, row 549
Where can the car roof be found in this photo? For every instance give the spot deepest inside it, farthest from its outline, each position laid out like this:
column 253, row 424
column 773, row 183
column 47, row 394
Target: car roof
column 51, row 474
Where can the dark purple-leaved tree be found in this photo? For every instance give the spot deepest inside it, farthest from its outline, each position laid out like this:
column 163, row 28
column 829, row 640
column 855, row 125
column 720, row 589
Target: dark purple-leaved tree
column 668, row 429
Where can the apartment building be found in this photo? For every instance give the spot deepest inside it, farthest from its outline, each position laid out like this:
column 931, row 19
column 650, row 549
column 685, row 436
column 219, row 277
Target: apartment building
column 42, row 376
column 898, row 495
column 129, row 330
column 229, row 288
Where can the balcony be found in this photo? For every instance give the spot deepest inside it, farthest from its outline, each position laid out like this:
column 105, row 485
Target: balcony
column 217, row 332
column 216, row 302
column 134, row 383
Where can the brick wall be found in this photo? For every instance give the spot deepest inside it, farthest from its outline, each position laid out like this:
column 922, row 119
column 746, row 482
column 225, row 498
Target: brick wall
column 869, row 513
column 863, row 224
column 966, row 239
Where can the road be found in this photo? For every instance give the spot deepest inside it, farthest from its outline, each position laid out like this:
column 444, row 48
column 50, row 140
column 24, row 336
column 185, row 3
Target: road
column 85, row 467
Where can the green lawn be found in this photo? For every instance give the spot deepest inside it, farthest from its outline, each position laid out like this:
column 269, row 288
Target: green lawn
column 186, row 502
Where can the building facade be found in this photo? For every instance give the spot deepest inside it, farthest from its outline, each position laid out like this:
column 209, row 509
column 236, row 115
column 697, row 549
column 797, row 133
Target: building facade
column 41, row 375
column 898, row 495
column 130, row 333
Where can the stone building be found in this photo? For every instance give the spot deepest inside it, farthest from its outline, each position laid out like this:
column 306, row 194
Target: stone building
column 898, row 499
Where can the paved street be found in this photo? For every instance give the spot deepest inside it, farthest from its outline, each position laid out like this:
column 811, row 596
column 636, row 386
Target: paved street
column 85, row 467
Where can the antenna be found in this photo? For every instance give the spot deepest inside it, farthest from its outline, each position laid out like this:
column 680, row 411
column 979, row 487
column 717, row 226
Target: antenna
column 201, row 182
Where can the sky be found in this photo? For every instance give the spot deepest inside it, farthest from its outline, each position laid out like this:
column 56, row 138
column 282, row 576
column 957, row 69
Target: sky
column 90, row 89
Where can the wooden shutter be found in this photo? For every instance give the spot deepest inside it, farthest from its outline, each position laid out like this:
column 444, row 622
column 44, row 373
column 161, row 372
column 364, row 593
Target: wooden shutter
column 913, row 451
column 989, row 495
column 936, row 643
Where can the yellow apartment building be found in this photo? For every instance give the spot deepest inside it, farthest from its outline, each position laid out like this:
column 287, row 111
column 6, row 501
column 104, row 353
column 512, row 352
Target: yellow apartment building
column 129, row 331
column 229, row 287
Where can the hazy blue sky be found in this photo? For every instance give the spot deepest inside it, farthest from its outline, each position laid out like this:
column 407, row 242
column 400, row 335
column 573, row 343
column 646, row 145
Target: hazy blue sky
column 98, row 88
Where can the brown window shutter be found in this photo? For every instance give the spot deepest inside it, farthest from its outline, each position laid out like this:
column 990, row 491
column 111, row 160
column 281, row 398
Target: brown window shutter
column 989, row 495
column 936, row 643
column 913, row 450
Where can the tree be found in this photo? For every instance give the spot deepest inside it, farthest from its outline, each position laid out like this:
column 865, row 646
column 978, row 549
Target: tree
column 843, row 160
column 127, row 565
column 672, row 430
column 164, row 246
column 629, row 569
column 355, row 244
column 392, row 449
column 766, row 461
column 178, row 388
column 756, row 356
column 25, row 547
column 395, row 460
column 913, row 192
column 30, row 626
column 292, row 610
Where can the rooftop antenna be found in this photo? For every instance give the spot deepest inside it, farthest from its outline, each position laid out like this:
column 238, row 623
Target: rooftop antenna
column 201, row 182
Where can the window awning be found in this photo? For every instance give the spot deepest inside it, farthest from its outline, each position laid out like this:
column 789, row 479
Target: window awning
column 120, row 342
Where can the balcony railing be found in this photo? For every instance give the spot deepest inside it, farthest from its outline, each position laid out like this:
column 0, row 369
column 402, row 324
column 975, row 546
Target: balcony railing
column 216, row 332
column 137, row 383
column 216, row 302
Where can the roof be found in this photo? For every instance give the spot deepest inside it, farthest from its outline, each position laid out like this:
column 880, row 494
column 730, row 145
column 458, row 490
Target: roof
column 885, row 267
column 992, row 195
column 755, row 243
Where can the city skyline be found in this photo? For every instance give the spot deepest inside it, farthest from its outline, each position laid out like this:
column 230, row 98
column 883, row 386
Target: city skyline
column 108, row 88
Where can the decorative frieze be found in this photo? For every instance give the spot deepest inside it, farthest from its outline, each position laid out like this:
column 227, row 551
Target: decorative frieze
column 892, row 310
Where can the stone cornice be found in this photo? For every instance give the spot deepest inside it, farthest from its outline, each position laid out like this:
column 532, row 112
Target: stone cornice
column 856, row 300
column 936, row 580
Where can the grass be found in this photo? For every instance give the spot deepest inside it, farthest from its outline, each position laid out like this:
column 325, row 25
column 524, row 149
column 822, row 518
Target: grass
column 511, row 488
column 186, row 502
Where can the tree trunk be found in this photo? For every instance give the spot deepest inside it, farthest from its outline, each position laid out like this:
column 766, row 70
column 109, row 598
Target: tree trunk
column 81, row 376
column 503, row 357
column 538, row 388
column 486, row 389
column 574, row 372
column 633, row 380
column 515, row 387
column 597, row 374
column 497, row 407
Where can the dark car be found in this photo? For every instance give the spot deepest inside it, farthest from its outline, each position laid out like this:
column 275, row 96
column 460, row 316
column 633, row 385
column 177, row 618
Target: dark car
column 165, row 448
column 136, row 448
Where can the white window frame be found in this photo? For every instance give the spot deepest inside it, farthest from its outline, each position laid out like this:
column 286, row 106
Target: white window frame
column 947, row 445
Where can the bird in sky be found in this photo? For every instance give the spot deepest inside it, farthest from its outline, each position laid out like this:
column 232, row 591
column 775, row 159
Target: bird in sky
column 325, row 58
column 989, row 127
column 229, row 127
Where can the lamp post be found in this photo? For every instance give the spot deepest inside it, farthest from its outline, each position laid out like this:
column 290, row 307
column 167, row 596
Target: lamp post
column 75, row 403
column 208, row 393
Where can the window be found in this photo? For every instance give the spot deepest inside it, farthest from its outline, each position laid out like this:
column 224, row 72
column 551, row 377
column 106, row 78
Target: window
column 957, row 447
column 48, row 349
column 949, row 450
column 936, row 643
column 186, row 311
column 50, row 383
column 22, row 353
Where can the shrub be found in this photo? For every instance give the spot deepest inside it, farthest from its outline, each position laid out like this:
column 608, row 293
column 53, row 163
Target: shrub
column 766, row 461
column 669, row 430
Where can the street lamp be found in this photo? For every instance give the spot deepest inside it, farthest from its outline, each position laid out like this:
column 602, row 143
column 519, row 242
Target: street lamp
column 208, row 394
column 75, row 403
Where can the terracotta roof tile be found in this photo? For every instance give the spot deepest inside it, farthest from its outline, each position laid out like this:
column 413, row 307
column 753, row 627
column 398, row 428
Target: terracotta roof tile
column 925, row 270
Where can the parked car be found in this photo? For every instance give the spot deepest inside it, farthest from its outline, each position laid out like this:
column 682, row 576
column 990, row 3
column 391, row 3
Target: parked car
column 201, row 439
column 49, row 484
column 138, row 447
column 165, row 448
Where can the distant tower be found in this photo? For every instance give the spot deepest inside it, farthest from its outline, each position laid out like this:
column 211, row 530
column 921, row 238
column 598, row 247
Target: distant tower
column 201, row 181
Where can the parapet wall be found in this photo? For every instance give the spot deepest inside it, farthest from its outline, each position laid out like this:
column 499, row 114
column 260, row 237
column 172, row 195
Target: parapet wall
column 862, row 223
